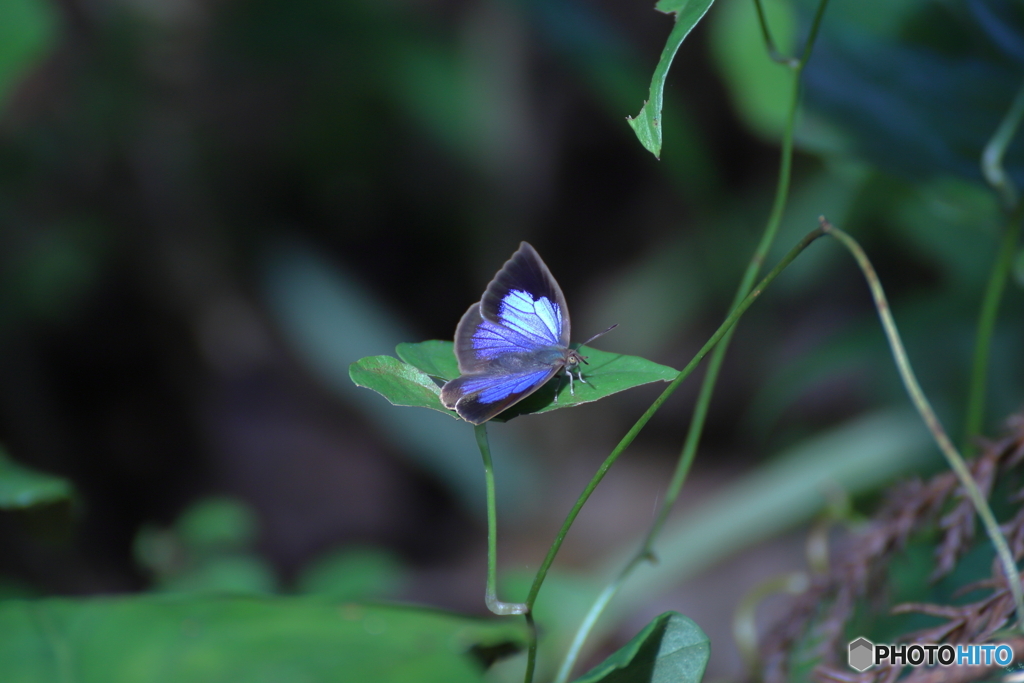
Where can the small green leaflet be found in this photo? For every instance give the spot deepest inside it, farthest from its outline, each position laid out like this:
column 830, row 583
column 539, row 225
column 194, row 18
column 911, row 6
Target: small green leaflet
column 670, row 649
column 647, row 124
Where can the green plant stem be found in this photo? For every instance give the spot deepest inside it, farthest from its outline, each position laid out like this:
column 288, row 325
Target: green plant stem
column 992, row 155
column 975, row 418
column 931, row 420
column 640, row 423
column 491, row 596
column 773, row 52
column 707, row 388
column 995, row 174
column 744, row 626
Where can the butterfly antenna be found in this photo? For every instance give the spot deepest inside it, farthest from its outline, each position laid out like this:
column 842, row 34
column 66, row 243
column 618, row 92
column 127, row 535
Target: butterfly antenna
column 600, row 334
column 583, row 359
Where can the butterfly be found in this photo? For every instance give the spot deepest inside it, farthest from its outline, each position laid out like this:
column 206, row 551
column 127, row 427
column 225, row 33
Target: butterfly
column 511, row 342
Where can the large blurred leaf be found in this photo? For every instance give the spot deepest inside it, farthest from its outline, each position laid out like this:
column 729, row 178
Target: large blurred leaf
column 647, row 124
column 922, row 106
column 188, row 640
column 409, row 383
column 21, row 487
column 758, row 86
column 27, row 31
column 671, row 649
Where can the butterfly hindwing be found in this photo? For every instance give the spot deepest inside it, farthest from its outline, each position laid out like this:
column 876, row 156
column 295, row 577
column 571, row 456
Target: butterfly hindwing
column 478, row 398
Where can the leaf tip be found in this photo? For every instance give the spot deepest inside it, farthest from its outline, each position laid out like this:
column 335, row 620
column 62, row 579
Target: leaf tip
column 648, row 130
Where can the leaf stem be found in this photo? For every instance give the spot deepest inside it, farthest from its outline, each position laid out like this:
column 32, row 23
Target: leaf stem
column 931, row 420
column 773, row 52
column 1002, row 183
column 987, row 316
column 707, row 388
column 491, row 596
column 992, row 155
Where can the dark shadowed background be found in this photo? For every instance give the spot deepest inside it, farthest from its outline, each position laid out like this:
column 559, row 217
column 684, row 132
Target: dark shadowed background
column 208, row 209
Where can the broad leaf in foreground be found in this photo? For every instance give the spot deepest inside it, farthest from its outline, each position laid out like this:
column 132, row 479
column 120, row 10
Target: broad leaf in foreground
column 243, row 640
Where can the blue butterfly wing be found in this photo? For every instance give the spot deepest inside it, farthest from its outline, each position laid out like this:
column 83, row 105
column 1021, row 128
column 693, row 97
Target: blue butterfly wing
column 511, row 342
column 527, row 275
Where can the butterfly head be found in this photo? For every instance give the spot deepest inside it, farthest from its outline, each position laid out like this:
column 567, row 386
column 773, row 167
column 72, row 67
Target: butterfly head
column 573, row 359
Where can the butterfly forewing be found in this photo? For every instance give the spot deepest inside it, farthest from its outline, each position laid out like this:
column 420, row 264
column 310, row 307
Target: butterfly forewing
column 525, row 272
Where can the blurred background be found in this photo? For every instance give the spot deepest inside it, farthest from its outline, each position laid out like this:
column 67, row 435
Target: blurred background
column 209, row 208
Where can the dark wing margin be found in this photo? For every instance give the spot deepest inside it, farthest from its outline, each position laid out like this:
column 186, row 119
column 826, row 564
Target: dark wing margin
column 525, row 271
column 464, row 351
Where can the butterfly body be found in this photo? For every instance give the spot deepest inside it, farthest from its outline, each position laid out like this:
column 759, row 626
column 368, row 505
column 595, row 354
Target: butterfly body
column 512, row 341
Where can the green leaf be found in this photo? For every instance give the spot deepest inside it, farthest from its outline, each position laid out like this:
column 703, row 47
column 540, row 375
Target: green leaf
column 409, row 383
column 21, row 487
column 435, row 357
column 647, row 124
column 398, row 382
column 198, row 640
column 671, row 649
column 605, row 374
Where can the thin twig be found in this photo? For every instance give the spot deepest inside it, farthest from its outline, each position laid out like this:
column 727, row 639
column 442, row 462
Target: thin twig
column 931, row 420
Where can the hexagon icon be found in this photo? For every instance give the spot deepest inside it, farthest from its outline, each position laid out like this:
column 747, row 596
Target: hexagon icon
column 862, row 654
